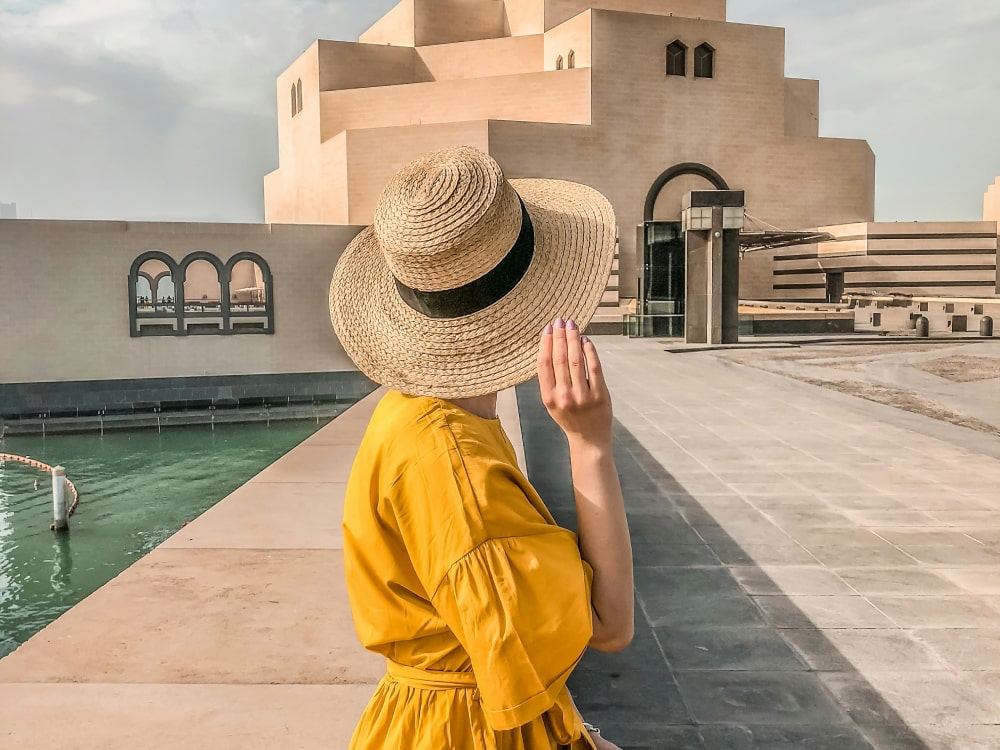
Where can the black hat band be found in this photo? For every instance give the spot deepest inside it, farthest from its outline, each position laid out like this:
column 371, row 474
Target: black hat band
column 486, row 290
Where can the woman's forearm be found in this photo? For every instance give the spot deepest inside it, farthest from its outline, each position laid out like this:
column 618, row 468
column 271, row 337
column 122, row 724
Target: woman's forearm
column 571, row 383
column 604, row 541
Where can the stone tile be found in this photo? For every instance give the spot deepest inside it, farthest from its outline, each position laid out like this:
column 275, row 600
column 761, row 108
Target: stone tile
column 654, row 532
column 757, row 737
column 896, row 737
column 790, row 579
column 694, row 597
column 816, row 650
column 809, row 517
column 941, row 547
column 310, row 464
column 821, row 612
column 732, row 649
column 242, row 623
column 884, row 650
column 752, row 531
column 965, row 649
column 961, row 738
column 938, row 698
column 681, row 556
column 897, row 518
column 123, row 717
column 631, row 735
column 768, row 698
column 863, row 501
column 913, row 580
column 967, row 518
column 987, row 682
column 634, row 685
column 785, row 553
column 264, row 515
column 878, row 555
column 937, row 611
column 982, row 581
column 863, row 703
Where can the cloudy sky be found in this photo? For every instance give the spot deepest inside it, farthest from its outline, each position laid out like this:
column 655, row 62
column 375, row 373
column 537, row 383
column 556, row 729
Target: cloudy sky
column 164, row 109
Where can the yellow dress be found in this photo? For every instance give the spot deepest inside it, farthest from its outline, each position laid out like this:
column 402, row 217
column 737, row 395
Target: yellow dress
column 460, row 577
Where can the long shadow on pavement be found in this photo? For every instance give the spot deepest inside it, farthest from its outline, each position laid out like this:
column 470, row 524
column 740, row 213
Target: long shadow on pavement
column 708, row 668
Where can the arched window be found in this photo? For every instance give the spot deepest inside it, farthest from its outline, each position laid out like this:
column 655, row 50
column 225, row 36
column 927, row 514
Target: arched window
column 295, row 102
column 201, row 274
column 704, row 61
column 152, row 304
column 559, row 62
column 571, row 60
column 677, row 58
column 251, row 296
column 200, row 295
column 298, row 95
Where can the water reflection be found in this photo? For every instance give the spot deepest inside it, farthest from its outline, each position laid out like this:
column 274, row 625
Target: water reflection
column 136, row 490
column 63, row 566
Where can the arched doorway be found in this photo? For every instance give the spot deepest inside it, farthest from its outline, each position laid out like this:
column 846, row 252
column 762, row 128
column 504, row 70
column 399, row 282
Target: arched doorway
column 663, row 290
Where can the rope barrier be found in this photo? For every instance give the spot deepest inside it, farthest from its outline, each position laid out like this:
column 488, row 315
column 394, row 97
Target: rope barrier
column 35, row 464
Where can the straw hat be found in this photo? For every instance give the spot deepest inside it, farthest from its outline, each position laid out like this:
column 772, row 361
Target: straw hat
column 447, row 292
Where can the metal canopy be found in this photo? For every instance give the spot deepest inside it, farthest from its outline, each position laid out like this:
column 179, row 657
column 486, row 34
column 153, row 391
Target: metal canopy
column 770, row 240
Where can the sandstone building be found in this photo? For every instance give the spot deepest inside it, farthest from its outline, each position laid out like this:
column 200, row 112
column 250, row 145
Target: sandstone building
column 611, row 93
column 644, row 100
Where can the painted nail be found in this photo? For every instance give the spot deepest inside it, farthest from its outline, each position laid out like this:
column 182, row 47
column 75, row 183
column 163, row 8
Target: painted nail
column 547, row 330
column 572, row 326
column 585, row 339
column 560, row 323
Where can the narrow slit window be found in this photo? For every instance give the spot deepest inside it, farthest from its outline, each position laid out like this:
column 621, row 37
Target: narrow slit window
column 677, row 58
column 295, row 102
column 571, row 60
column 704, row 61
column 298, row 95
column 559, row 62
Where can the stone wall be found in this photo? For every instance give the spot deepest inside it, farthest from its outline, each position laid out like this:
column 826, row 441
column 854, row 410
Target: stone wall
column 64, row 301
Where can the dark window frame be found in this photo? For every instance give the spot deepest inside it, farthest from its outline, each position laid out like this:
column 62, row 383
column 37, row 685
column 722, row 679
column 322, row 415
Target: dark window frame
column 677, row 53
column 175, row 312
column 701, row 59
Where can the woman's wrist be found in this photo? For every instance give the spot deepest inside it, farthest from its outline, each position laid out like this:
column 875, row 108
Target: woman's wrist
column 590, row 448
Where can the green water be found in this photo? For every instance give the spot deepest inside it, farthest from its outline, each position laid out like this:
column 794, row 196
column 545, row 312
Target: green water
column 136, row 489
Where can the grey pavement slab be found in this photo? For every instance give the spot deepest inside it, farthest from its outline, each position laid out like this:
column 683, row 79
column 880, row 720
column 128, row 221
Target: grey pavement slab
column 855, row 545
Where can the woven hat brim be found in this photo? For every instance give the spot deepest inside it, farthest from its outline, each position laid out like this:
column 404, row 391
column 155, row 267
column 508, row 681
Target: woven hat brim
column 497, row 347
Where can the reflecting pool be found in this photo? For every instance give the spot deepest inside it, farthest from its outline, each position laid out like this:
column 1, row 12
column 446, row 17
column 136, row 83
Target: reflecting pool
column 136, row 489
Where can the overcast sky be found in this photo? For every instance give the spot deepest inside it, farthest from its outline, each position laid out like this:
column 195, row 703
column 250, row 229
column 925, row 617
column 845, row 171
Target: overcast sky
column 165, row 109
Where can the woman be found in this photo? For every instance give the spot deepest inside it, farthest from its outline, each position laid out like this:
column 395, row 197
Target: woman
column 456, row 571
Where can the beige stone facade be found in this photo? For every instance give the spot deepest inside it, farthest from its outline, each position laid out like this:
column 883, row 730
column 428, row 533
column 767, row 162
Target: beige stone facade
column 65, row 301
column 991, row 202
column 567, row 89
column 940, row 259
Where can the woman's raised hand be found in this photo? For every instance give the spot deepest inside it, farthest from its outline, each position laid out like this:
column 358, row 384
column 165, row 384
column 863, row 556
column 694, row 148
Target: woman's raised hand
column 572, row 384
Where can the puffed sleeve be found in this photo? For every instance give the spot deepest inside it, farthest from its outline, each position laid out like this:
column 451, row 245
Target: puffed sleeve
column 520, row 606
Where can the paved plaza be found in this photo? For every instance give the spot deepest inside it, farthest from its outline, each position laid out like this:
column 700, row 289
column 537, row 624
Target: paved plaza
column 813, row 570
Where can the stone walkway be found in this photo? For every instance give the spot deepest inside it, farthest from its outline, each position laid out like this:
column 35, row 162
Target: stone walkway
column 813, row 570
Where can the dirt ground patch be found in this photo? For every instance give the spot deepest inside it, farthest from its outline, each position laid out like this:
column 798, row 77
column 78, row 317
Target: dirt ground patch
column 961, row 369
column 902, row 399
column 801, row 364
column 819, row 354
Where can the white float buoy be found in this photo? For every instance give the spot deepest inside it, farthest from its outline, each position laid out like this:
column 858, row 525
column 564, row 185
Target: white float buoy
column 60, row 511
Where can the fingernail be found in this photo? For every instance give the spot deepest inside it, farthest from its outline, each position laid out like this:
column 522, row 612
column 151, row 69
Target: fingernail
column 560, row 323
column 585, row 339
column 547, row 330
column 572, row 326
